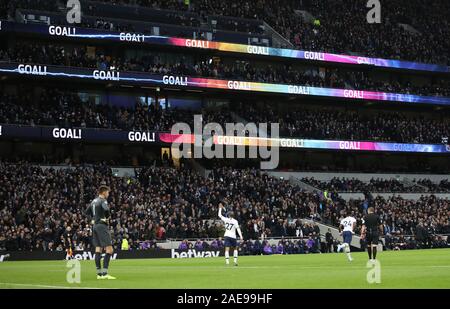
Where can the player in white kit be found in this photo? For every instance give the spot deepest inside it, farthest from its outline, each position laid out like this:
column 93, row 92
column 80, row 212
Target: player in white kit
column 346, row 227
column 231, row 226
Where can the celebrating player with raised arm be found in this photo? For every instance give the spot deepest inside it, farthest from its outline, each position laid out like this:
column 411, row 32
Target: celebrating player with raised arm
column 347, row 226
column 231, row 225
column 99, row 211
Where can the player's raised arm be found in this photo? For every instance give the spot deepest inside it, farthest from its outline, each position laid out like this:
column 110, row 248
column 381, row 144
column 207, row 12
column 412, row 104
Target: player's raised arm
column 220, row 213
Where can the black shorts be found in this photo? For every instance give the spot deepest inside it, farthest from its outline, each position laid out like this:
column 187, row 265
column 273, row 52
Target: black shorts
column 230, row 242
column 347, row 237
column 101, row 237
column 372, row 237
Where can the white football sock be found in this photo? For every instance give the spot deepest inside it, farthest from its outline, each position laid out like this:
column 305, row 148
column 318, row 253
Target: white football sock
column 347, row 251
column 235, row 255
column 346, row 248
column 227, row 257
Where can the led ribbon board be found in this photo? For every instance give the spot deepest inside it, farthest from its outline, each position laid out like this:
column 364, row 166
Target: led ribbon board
column 131, row 37
column 146, row 79
column 331, row 144
column 8, row 131
column 43, row 133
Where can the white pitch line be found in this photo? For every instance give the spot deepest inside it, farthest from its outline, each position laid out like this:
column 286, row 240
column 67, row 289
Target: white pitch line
column 46, row 286
column 439, row 266
column 244, row 266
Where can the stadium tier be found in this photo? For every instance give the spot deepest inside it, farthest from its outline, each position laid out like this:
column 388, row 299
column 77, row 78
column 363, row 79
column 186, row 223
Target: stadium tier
column 146, row 66
column 378, row 185
column 65, row 109
column 167, row 203
column 198, row 128
column 70, row 33
column 113, row 62
column 309, row 24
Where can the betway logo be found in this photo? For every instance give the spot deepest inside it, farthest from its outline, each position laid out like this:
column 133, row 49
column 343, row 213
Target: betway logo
column 194, row 254
column 87, row 255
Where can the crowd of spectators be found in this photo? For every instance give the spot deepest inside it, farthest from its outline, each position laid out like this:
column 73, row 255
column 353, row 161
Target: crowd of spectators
column 389, row 39
column 362, row 80
column 397, row 241
column 442, row 186
column 386, row 40
column 298, row 245
column 56, row 108
column 203, row 66
column 333, row 123
column 37, row 206
column 64, row 109
column 378, row 185
column 8, row 7
column 61, row 108
column 310, row 244
column 79, row 57
column 420, row 219
column 356, row 185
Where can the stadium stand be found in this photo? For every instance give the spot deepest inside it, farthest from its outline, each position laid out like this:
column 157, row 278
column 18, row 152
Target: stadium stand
column 204, row 66
column 63, row 108
column 405, row 33
column 376, row 185
column 46, row 184
column 168, row 203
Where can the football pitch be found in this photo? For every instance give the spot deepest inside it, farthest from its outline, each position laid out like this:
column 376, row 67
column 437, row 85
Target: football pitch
column 399, row 269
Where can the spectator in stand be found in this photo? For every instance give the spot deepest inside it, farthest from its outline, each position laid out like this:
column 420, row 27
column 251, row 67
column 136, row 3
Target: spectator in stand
column 267, row 248
column 329, row 241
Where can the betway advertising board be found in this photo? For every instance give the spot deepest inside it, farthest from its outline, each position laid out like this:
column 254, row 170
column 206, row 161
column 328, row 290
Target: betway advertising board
column 118, row 255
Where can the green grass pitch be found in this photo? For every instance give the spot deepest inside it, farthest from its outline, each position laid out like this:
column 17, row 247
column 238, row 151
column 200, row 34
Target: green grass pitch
column 399, row 269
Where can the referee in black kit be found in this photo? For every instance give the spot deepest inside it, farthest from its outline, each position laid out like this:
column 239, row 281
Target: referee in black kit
column 371, row 230
column 99, row 211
